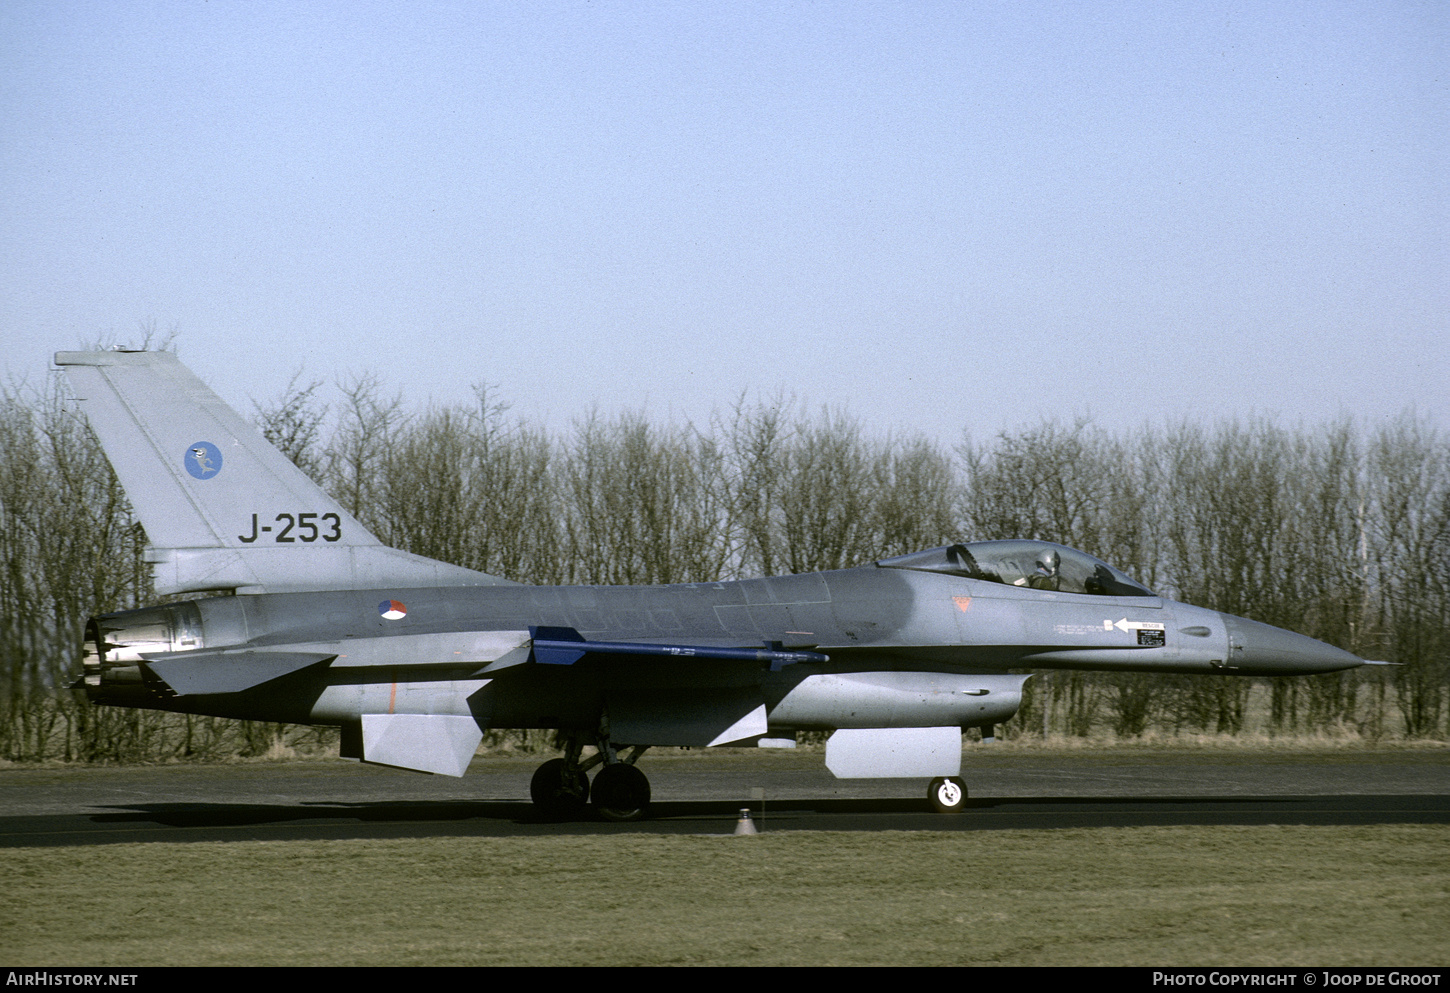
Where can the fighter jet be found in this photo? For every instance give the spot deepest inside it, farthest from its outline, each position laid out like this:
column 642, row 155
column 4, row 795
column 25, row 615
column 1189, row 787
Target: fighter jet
column 317, row 622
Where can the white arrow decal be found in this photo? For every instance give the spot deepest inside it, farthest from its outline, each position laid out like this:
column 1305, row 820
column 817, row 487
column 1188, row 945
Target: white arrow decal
column 1126, row 625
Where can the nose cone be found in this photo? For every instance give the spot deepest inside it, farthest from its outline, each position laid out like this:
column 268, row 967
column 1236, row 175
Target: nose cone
column 1264, row 650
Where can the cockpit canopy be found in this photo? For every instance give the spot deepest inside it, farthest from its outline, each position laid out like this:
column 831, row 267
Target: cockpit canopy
column 1038, row 565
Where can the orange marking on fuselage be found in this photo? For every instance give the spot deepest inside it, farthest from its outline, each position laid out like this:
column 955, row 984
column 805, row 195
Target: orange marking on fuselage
column 392, row 697
column 962, row 602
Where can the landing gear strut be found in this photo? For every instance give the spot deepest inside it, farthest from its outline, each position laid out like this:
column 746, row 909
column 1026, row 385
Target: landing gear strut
column 947, row 794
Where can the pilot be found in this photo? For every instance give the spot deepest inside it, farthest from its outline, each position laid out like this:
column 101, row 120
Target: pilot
column 1044, row 573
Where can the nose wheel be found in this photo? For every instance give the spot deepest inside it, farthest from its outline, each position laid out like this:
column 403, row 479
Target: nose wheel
column 948, row 795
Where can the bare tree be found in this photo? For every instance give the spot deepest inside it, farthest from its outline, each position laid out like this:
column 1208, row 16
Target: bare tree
column 643, row 504
column 294, row 423
column 359, row 450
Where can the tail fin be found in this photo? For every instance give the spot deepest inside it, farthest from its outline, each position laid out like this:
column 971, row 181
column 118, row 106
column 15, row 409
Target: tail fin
column 222, row 508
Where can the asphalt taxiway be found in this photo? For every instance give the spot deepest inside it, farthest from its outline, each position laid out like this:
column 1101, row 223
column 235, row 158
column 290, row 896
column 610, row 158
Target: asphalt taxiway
column 703, row 794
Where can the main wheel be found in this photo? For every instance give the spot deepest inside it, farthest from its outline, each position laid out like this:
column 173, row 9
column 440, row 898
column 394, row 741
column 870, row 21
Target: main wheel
column 948, row 795
column 621, row 793
column 555, row 796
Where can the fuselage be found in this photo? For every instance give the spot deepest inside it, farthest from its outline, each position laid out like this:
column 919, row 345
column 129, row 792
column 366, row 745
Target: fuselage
column 443, row 648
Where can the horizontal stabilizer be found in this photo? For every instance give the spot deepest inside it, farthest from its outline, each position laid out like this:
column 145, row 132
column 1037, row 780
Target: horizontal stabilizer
column 565, row 646
column 199, row 674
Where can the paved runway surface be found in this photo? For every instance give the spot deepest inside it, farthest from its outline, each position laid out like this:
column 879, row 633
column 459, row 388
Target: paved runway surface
column 702, row 794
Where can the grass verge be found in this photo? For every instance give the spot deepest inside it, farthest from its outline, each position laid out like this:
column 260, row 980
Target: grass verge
column 1274, row 896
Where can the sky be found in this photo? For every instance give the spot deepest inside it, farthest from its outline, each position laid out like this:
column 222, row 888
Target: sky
column 937, row 216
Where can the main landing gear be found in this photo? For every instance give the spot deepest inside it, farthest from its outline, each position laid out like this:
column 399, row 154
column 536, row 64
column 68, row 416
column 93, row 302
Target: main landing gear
column 560, row 794
column 561, row 789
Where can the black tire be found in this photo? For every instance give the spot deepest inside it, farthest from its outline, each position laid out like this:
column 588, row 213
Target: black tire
column 948, row 795
column 621, row 793
column 556, row 799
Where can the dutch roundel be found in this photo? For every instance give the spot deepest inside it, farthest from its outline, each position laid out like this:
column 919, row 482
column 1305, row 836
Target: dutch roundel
column 392, row 610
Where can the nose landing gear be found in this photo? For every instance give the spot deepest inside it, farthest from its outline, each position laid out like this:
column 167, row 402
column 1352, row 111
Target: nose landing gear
column 948, row 794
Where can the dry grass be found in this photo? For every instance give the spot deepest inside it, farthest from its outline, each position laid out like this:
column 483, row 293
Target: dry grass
column 1275, row 896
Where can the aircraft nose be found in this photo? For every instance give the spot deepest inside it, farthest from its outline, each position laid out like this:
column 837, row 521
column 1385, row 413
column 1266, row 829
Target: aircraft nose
column 1271, row 651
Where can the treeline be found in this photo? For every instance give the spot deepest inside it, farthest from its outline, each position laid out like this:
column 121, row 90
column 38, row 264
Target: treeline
column 1341, row 532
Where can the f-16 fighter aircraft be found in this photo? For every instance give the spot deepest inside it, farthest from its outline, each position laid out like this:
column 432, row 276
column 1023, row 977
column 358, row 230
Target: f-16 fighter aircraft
column 414, row 659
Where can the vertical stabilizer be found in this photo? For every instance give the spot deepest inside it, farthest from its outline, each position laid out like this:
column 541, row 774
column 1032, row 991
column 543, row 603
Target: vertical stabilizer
column 222, row 508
